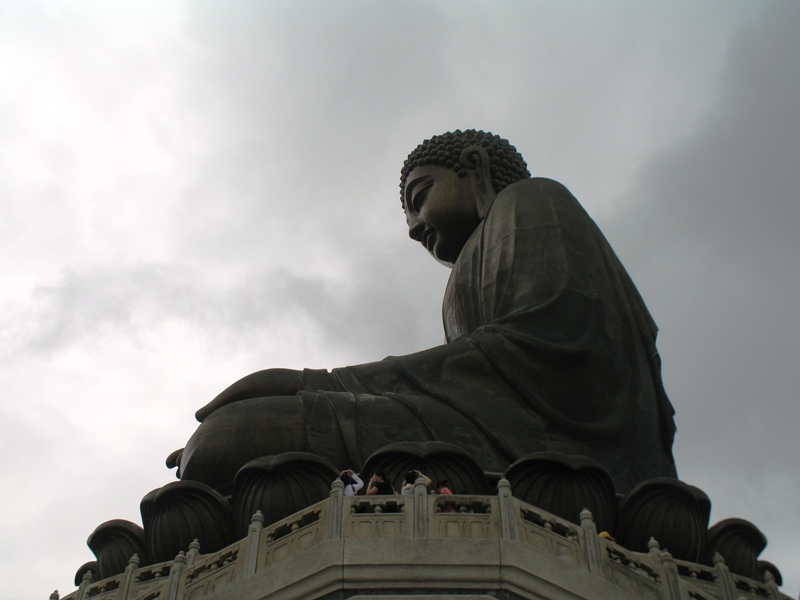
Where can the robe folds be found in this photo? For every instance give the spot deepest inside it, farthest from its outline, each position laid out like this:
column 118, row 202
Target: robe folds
column 549, row 348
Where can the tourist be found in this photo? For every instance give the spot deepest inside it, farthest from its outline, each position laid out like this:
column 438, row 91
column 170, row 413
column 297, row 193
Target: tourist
column 410, row 480
column 352, row 482
column 379, row 485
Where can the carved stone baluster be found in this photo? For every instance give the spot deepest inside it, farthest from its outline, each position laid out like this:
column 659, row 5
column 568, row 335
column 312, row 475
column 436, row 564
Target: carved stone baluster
column 723, row 577
column 653, row 547
column 508, row 510
column 591, row 543
column 420, row 508
column 253, row 542
column 127, row 578
column 194, row 552
column 175, row 573
column 772, row 586
column 85, row 582
column 335, row 510
column 672, row 579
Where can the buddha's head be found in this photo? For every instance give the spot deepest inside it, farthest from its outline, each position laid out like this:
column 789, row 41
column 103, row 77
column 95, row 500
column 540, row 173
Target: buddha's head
column 448, row 183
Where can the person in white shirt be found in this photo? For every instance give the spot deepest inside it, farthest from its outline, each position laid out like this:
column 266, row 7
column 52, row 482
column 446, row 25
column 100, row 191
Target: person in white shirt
column 352, row 482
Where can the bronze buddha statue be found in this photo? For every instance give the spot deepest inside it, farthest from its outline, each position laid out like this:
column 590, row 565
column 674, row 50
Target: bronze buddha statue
column 549, row 344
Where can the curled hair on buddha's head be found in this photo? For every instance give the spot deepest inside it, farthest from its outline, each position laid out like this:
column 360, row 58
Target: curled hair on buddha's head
column 506, row 164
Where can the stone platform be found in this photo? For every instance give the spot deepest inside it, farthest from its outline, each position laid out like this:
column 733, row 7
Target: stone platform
column 425, row 547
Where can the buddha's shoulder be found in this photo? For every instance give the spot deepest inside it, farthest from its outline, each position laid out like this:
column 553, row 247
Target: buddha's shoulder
column 531, row 192
column 534, row 187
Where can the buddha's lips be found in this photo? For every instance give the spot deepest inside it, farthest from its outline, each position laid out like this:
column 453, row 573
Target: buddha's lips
column 429, row 239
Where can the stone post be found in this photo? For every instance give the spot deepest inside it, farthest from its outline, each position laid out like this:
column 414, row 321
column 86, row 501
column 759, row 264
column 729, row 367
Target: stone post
column 667, row 571
column 85, row 581
column 672, row 579
column 175, row 572
column 591, row 543
column 252, row 544
column 772, row 585
column 508, row 511
column 194, row 552
column 335, row 510
column 127, row 578
column 723, row 576
column 420, row 508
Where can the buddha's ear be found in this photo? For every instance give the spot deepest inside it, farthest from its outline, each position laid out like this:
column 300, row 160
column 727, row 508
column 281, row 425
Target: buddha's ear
column 476, row 159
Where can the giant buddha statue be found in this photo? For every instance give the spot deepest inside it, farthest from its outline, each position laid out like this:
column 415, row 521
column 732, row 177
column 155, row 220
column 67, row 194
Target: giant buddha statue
column 549, row 384
column 549, row 348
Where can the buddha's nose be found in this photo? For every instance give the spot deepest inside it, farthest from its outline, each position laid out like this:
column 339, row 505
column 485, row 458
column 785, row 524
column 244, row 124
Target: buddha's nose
column 415, row 229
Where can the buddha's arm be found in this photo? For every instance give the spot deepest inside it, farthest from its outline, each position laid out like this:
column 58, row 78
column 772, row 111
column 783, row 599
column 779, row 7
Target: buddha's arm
column 525, row 311
column 269, row 382
column 389, row 375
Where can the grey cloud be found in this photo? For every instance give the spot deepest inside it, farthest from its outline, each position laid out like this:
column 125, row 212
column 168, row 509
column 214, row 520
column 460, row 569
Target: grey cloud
column 709, row 236
column 362, row 313
column 294, row 120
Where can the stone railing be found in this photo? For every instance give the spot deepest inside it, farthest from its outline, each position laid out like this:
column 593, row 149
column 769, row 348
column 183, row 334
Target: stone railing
column 515, row 525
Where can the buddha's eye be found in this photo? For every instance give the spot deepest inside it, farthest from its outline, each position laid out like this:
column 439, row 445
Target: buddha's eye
column 419, row 197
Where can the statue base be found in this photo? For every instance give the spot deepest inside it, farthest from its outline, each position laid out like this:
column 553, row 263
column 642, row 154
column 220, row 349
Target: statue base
column 426, row 547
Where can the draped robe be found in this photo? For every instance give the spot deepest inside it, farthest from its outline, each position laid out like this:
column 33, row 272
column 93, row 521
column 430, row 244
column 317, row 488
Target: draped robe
column 549, row 348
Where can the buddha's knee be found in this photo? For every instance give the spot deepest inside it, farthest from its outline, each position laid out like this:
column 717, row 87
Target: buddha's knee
column 240, row 432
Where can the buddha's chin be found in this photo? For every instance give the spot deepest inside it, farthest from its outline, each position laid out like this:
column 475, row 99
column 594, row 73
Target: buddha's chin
column 446, row 255
column 447, row 264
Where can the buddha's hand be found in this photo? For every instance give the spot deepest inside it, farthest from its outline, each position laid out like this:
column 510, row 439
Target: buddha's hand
column 269, row 382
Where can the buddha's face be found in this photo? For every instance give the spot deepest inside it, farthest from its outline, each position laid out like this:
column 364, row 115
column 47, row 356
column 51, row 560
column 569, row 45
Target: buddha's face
column 441, row 210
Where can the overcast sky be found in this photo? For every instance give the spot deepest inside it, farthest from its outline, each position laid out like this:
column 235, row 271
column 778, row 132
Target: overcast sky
column 190, row 192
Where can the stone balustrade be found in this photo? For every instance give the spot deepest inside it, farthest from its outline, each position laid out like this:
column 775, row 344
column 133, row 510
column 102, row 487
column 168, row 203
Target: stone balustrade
column 436, row 545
